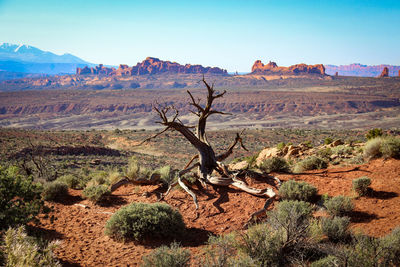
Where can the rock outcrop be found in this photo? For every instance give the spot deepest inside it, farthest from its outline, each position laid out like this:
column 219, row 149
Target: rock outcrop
column 151, row 65
column 273, row 69
column 385, row 73
column 99, row 70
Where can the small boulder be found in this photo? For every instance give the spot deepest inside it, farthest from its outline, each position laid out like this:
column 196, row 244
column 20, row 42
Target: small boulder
column 239, row 166
column 336, row 143
column 266, row 153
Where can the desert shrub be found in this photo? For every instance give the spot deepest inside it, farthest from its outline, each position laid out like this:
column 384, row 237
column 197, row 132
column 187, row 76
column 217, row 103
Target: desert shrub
column 292, row 190
column 262, row 244
column 134, row 171
column 328, row 261
column 328, row 140
column 324, row 153
column 372, row 148
column 22, row 250
column 275, row 164
column 280, row 145
column 139, row 221
column 72, row 181
column 98, row 178
column 251, row 160
column 342, row 150
column 360, row 185
column 54, row 190
column 365, row 251
column 339, row 205
column 391, row 248
column 336, row 228
column 390, row 147
column 114, row 176
column 167, row 176
column 96, row 193
column 20, row 198
column 164, row 256
column 291, row 217
column 220, row 251
column 310, row 163
column 374, row 133
column 359, row 159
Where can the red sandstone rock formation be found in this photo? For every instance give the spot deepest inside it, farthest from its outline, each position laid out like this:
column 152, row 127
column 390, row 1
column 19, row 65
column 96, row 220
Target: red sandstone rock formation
column 272, row 69
column 385, row 72
column 152, row 66
column 100, row 69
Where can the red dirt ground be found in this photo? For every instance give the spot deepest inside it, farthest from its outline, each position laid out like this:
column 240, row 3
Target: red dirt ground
column 81, row 230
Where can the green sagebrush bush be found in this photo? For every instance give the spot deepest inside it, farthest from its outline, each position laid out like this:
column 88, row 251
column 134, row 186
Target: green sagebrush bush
column 223, row 251
column 339, row 205
column 139, row 221
column 72, row 181
column 292, row 217
column 21, row 250
column 336, row 228
column 292, row 190
column 374, row 133
column 20, row 198
column 52, row 191
column 360, row 185
column 134, row 171
column 390, row 147
column 310, row 163
column 275, row 164
column 96, row 193
column 387, row 147
column 262, row 244
column 328, row 261
column 167, row 256
column 372, row 148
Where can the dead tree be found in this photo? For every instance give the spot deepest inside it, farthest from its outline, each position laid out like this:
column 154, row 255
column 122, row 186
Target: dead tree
column 210, row 169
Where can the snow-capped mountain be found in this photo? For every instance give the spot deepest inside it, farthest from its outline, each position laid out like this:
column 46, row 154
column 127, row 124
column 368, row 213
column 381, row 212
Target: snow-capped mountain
column 20, row 59
column 26, row 53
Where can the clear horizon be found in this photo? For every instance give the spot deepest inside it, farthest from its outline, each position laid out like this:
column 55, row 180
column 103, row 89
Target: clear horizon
column 226, row 34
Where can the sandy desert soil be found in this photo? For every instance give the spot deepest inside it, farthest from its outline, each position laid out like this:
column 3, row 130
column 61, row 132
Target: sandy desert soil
column 80, row 225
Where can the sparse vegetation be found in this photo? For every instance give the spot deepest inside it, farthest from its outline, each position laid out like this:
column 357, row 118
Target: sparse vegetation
column 22, row 250
column 390, row 147
column 374, row 133
column 339, row 205
column 275, row 164
column 96, row 193
column 70, row 180
column 336, row 228
column 167, row 256
column 310, row 163
column 20, row 198
column 360, row 185
column 292, row 190
column 140, row 221
column 53, row 191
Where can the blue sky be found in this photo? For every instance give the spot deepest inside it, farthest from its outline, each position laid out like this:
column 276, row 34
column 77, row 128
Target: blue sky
column 229, row 34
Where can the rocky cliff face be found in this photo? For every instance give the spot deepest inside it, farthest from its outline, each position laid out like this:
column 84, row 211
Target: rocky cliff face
column 272, row 69
column 151, row 65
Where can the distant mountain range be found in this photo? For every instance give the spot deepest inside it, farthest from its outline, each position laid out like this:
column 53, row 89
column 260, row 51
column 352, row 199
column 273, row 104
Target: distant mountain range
column 358, row 69
column 19, row 61
column 25, row 59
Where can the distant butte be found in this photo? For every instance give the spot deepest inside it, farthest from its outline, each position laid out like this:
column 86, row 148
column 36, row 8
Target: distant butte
column 272, row 69
column 150, row 65
column 385, row 73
